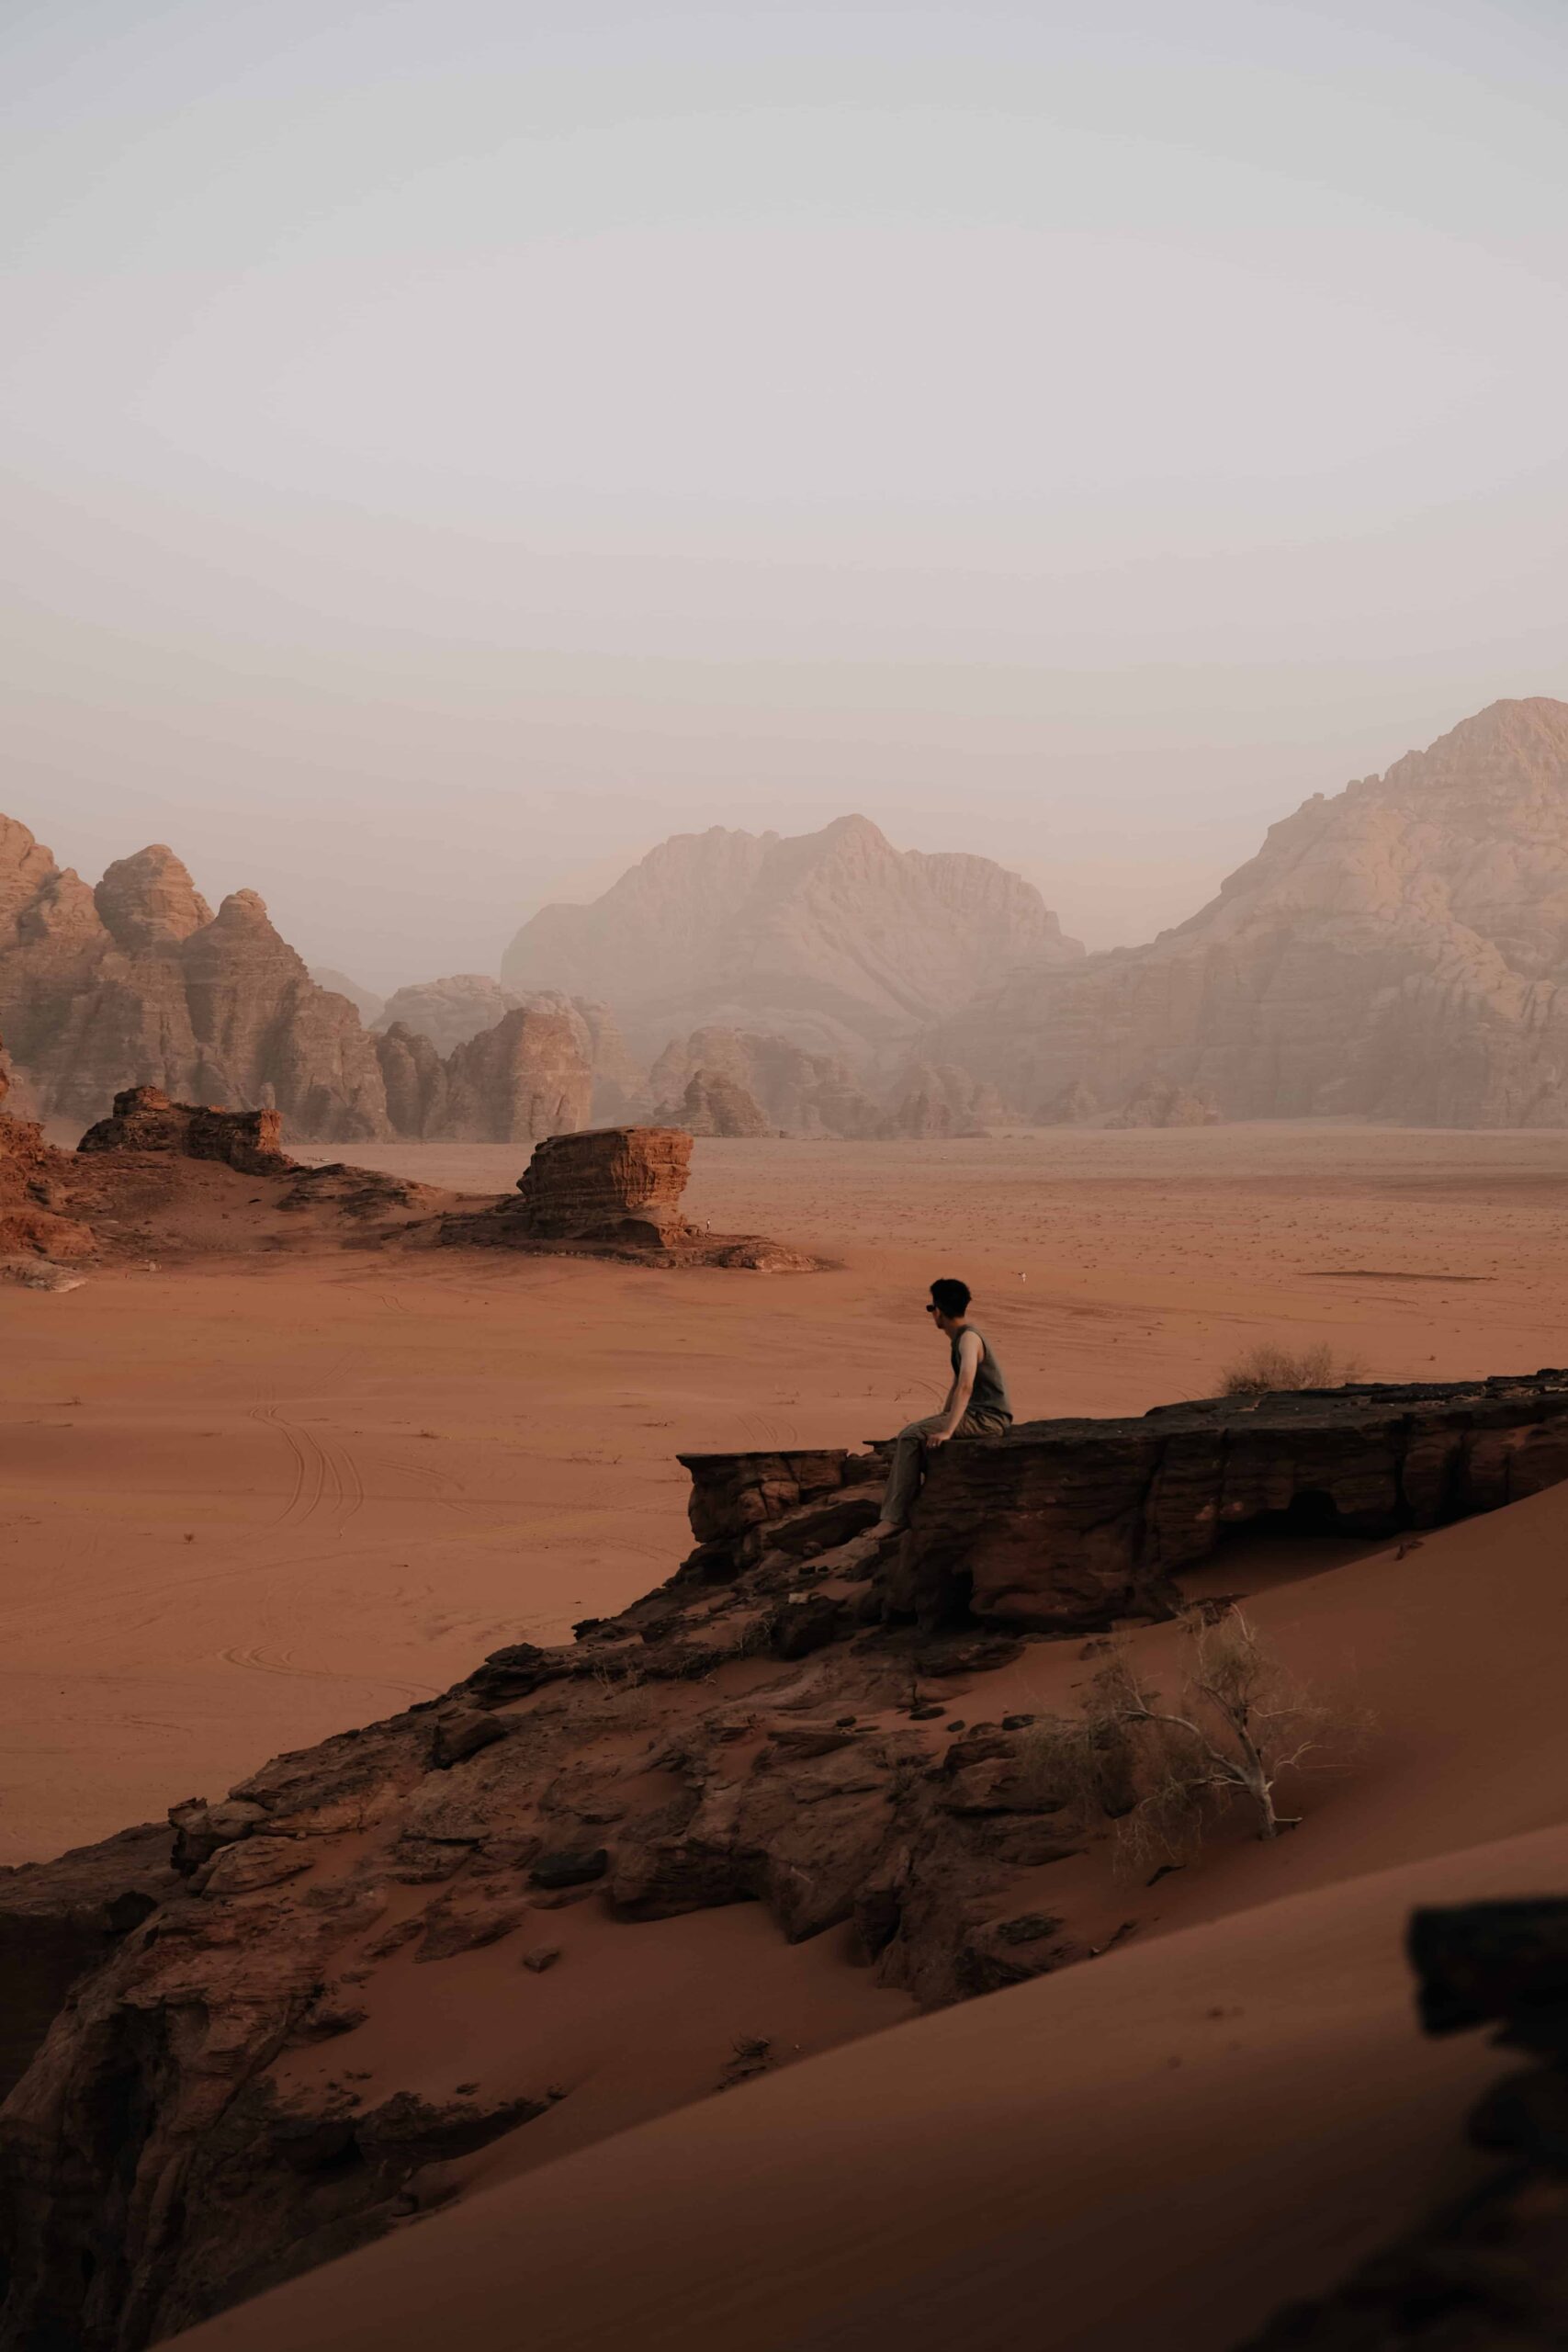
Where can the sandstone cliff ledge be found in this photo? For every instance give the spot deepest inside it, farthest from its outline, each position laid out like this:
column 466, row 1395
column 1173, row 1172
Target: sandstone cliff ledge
column 218, row 2102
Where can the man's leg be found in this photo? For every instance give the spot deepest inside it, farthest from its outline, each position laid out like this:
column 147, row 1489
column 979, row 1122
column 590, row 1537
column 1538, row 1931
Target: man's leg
column 904, row 1479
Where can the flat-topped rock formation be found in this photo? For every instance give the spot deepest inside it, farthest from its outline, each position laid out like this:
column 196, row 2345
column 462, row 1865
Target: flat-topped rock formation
column 1066, row 1524
column 609, row 1185
column 614, row 1191
column 200, row 2118
column 143, row 1119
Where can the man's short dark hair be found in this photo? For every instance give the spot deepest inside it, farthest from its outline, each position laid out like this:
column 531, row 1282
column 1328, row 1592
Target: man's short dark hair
column 952, row 1297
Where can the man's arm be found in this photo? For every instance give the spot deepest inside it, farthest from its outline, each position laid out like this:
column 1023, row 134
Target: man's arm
column 963, row 1388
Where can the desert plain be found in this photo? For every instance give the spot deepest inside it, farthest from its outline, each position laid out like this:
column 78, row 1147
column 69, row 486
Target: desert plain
column 256, row 1500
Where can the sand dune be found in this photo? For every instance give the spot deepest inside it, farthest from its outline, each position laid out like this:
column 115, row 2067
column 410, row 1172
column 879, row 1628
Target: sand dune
column 1155, row 2147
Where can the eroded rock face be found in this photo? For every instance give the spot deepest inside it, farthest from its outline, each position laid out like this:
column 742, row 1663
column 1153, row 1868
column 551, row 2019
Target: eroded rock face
column 36, row 1232
column 1069, row 1524
column 797, row 1092
column 144, row 1119
column 58, row 1919
column 1158, row 1104
column 834, row 940
column 529, row 1076
column 149, row 900
column 138, row 984
column 608, row 1184
column 934, row 1099
column 715, row 1105
column 167, row 2152
column 1399, row 951
column 449, row 1012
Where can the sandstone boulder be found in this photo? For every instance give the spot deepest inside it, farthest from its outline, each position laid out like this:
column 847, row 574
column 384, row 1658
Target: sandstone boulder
column 608, row 1184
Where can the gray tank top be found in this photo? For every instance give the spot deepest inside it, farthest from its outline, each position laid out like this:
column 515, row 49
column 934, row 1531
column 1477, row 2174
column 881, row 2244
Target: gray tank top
column 991, row 1391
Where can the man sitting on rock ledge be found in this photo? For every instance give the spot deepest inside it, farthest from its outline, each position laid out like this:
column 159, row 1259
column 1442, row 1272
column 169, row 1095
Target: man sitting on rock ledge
column 977, row 1405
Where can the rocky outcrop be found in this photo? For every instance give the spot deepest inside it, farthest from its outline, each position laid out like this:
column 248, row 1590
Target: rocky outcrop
column 138, row 984
column 527, row 1078
column 798, row 1093
column 442, row 1077
column 715, row 1105
column 615, row 1192
column 143, row 1119
column 834, row 940
column 37, row 1228
column 1069, row 1524
column 936, row 1099
column 766, row 1727
column 1158, row 1104
column 1399, row 951
column 1488, row 2272
column 449, row 1012
column 59, row 1919
column 1071, row 1106
column 610, row 1184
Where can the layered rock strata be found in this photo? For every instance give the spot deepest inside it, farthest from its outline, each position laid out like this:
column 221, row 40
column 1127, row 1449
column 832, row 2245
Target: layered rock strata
column 138, row 983
column 615, row 1192
column 766, row 1728
column 609, row 1185
column 143, row 1119
column 1066, row 1524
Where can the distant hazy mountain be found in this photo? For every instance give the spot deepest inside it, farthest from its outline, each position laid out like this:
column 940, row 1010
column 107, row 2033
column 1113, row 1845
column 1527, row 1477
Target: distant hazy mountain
column 365, row 1002
column 1399, row 951
column 835, row 940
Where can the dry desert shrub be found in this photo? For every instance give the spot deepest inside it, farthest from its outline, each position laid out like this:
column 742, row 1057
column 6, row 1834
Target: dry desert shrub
column 1167, row 1771
column 1266, row 1370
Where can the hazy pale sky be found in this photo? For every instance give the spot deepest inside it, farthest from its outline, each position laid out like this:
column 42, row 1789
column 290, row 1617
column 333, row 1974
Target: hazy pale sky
column 452, row 444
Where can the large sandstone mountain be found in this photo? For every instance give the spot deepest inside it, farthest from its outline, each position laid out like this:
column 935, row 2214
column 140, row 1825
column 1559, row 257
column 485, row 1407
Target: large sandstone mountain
column 1398, row 950
column 835, row 940
column 139, row 983
column 459, row 1008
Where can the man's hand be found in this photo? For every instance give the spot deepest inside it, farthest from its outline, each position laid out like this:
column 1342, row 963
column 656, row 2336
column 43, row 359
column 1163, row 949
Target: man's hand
column 938, row 1437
